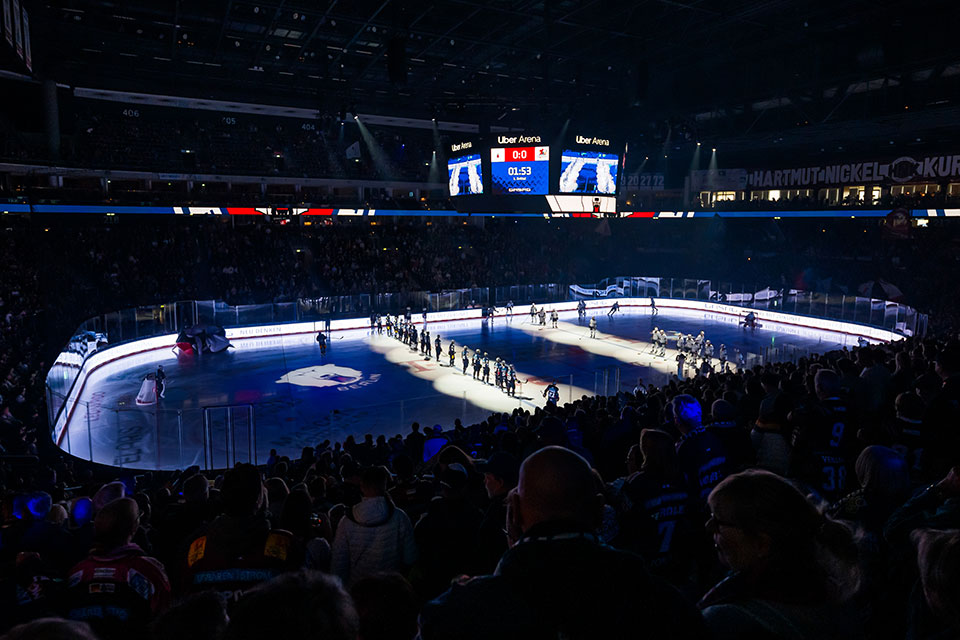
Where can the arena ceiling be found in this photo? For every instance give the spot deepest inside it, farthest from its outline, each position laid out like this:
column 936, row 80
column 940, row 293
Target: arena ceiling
column 506, row 61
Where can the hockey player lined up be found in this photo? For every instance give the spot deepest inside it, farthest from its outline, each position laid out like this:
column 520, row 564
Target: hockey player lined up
column 486, row 368
column 509, row 308
column 593, row 327
column 740, row 360
column 389, row 324
column 424, row 316
column 554, row 317
column 476, row 365
column 533, row 313
column 424, row 343
column 661, row 343
column 722, row 355
column 681, row 361
column 379, row 325
column 708, row 352
column 681, row 343
column 438, row 348
column 452, row 353
column 511, row 381
column 614, row 308
column 542, row 314
column 552, row 393
column 581, row 310
column 322, row 341
column 465, row 357
column 498, row 374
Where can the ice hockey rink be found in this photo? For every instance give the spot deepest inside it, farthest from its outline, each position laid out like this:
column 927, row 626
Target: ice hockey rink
column 280, row 393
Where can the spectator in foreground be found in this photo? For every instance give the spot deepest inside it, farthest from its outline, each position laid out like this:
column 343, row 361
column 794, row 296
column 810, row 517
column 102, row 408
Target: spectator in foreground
column 791, row 568
column 305, row 605
column 499, row 477
column 117, row 589
column 558, row 580
column 239, row 548
column 387, row 606
column 374, row 535
column 935, row 610
column 198, row 617
column 51, row 629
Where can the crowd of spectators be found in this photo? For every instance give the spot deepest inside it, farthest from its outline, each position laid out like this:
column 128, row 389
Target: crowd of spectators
column 813, row 499
column 816, row 499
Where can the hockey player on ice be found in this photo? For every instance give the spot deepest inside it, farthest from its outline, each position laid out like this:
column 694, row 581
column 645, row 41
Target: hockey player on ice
column 552, row 393
column 593, row 327
column 322, row 341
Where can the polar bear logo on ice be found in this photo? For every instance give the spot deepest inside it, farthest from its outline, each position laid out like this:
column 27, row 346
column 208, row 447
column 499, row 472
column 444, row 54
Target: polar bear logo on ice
column 326, row 375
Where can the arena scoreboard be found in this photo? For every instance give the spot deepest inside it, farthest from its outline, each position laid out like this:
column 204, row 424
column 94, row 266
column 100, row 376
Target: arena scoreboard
column 520, row 170
column 529, row 172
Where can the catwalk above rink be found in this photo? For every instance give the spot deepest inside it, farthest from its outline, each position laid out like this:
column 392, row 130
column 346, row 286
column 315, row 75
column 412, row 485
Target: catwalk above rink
column 274, row 389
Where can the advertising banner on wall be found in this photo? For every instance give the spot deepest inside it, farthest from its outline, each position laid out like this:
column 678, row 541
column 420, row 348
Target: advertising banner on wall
column 900, row 170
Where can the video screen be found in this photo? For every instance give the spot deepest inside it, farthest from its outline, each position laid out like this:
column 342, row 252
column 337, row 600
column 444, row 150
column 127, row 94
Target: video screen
column 588, row 172
column 520, row 170
column 466, row 176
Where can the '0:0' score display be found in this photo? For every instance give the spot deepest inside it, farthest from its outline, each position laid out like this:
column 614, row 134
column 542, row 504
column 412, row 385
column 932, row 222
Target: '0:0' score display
column 520, row 170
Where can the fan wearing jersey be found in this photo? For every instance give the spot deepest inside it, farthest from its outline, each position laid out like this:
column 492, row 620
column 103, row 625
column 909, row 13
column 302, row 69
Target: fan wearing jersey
column 658, row 524
column 824, row 440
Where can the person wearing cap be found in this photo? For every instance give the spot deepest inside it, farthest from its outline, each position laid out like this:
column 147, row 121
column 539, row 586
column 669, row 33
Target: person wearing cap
column 440, row 533
column 500, row 473
column 701, row 455
column 558, row 580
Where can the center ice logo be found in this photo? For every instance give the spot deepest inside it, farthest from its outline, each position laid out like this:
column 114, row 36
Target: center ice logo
column 328, row 375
